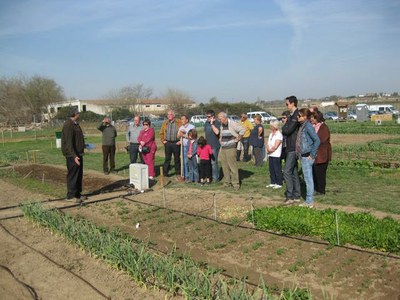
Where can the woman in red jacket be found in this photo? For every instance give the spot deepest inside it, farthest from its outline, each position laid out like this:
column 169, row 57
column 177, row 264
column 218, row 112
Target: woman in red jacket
column 148, row 146
column 324, row 153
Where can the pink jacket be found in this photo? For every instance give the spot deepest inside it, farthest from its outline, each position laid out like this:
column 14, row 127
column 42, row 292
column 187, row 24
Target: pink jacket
column 148, row 137
column 205, row 152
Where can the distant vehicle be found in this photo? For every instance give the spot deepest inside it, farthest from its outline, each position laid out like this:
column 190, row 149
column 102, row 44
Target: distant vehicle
column 126, row 121
column 198, row 119
column 234, row 118
column 157, row 122
column 265, row 117
column 383, row 109
column 351, row 115
column 372, row 112
column 330, row 115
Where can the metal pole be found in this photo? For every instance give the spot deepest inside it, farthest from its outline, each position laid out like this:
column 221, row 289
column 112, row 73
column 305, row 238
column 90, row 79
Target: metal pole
column 215, row 207
column 252, row 210
column 2, row 137
column 164, row 196
column 337, row 228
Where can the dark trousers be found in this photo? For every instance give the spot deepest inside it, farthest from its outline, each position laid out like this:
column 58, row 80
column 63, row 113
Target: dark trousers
column 275, row 170
column 205, row 169
column 258, row 155
column 319, row 174
column 108, row 153
column 74, row 178
column 246, row 145
column 172, row 148
column 134, row 153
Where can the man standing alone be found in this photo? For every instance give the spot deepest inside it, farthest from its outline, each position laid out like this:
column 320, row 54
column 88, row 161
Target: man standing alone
column 72, row 147
column 290, row 171
column 172, row 144
column 108, row 144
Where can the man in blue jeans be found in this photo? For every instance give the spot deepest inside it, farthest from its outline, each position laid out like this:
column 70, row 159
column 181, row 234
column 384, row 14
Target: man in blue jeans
column 290, row 171
column 211, row 129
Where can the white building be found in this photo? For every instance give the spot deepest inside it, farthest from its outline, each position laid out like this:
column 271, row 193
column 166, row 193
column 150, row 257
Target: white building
column 104, row 107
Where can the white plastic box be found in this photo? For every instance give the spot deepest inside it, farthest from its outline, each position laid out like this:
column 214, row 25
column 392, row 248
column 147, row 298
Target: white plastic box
column 139, row 176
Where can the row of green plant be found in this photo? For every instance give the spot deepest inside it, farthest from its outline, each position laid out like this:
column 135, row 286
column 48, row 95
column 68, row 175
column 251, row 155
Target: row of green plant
column 387, row 127
column 371, row 149
column 361, row 228
column 175, row 273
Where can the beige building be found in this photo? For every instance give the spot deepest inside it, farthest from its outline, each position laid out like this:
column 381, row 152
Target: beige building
column 104, row 107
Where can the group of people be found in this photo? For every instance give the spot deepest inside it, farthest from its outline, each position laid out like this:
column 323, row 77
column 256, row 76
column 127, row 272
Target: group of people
column 304, row 137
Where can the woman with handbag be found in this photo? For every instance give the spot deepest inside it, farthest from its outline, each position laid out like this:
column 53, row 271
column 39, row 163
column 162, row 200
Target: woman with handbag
column 147, row 146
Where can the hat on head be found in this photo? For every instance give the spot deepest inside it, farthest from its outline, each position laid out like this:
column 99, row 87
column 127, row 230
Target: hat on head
column 73, row 112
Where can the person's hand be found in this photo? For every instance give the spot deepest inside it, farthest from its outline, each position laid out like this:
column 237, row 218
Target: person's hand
column 164, row 142
column 141, row 143
column 178, row 143
column 77, row 161
column 212, row 120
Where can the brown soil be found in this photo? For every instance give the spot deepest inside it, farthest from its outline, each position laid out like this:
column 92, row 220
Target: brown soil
column 284, row 261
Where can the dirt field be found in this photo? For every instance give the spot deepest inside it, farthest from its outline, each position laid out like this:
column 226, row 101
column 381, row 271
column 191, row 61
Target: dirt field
column 55, row 269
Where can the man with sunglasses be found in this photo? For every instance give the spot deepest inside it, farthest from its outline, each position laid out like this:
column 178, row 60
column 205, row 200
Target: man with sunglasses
column 290, row 171
column 211, row 130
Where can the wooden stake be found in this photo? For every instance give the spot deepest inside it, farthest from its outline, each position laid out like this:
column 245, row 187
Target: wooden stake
column 162, row 175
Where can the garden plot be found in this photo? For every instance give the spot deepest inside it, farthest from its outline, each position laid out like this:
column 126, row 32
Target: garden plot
column 239, row 251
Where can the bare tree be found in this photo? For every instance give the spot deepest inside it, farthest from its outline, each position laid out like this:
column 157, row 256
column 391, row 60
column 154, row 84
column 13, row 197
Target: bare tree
column 133, row 95
column 40, row 93
column 178, row 100
column 22, row 97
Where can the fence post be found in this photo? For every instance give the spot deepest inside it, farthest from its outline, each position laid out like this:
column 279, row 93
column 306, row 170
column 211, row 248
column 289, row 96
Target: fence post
column 163, row 189
column 215, row 207
column 337, row 228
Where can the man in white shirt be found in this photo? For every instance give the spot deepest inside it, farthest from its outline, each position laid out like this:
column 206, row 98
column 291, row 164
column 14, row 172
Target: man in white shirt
column 182, row 135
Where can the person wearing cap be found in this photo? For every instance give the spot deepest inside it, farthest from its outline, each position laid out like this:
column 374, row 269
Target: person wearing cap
column 72, row 147
column 274, row 150
column 109, row 133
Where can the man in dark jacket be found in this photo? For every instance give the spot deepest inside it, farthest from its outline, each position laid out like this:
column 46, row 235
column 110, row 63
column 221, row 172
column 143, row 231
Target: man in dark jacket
column 290, row 171
column 108, row 144
column 72, row 146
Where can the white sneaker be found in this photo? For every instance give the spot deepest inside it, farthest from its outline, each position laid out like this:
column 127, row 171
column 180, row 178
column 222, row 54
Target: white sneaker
column 271, row 185
column 305, row 204
column 276, row 186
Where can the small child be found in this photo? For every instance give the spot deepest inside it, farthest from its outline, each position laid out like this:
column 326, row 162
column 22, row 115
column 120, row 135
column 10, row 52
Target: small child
column 191, row 162
column 205, row 153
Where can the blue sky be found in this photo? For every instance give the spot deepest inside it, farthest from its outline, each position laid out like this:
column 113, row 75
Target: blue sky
column 233, row 50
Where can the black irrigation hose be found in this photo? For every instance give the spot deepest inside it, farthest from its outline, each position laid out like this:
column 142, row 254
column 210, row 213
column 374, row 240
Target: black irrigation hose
column 268, row 231
column 60, row 199
column 30, row 289
column 68, row 206
column 54, row 262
